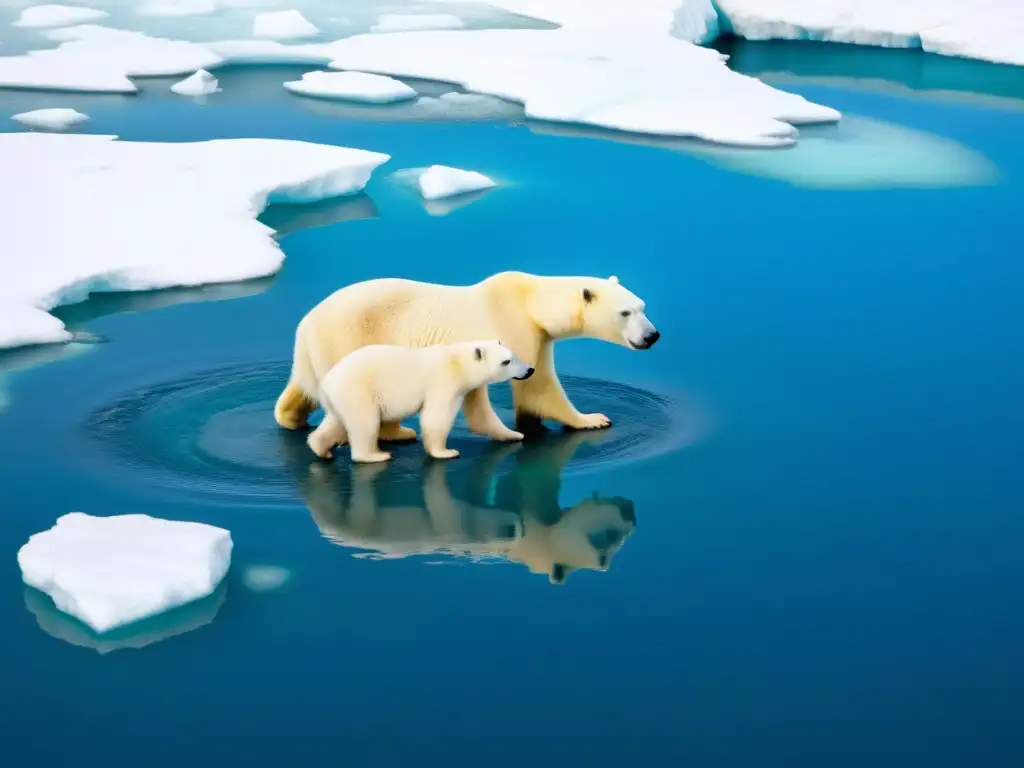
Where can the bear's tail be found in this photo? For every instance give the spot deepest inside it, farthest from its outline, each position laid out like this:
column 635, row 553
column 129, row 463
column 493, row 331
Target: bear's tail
column 298, row 399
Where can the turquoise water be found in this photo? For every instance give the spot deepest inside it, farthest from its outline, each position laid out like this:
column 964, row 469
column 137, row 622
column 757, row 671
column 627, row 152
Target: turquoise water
column 808, row 510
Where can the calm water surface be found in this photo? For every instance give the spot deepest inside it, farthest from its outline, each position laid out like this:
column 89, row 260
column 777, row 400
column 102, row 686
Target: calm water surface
column 799, row 545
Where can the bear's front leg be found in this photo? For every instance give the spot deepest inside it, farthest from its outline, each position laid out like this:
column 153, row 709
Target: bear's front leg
column 482, row 420
column 541, row 397
column 436, row 421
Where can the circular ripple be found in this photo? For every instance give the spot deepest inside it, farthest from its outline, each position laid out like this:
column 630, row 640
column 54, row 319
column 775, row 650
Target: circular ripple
column 214, row 435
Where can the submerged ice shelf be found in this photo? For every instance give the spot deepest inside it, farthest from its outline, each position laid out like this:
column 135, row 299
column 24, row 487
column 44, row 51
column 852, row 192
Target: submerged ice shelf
column 112, row 571
column 193, row 215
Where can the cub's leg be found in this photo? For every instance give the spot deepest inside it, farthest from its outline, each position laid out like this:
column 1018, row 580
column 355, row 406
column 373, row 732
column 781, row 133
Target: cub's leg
column 393, row 431
column 436, row 421
column 362, row 420
column 329, row 433
column 481, row 418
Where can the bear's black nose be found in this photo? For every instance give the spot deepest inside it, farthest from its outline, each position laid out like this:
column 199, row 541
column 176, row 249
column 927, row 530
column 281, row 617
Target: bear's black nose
column 651, row 338
column 528, row 374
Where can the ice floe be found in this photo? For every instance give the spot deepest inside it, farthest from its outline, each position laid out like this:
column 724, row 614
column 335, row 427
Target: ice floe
column 283, row 25
column 178, row 621
column 202, row 83
column 352, row 86
column 193, row 215
column 981, row 29
column 55, row 119
column 403, row 22
column 111, row 571
column 51, row 15
column 441, row 181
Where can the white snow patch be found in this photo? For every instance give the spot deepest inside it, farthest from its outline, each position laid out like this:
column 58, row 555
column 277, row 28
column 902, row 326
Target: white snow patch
column 202, row 83
column 45, row 16
column 265, row 578
column 192, row 221
column 352, row 86
column 628, row 79
column 112, row 571
column 980, row 29
column 283, row 25
column 402, row 22
column 177, row 8
column 440, row 181
column 51, row 119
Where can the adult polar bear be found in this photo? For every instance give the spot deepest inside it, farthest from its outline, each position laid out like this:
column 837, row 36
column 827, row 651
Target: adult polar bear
column 527, row 313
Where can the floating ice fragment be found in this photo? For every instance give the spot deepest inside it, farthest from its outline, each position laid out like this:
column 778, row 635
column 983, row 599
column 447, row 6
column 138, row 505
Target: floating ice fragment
column 51, row 119
column 440, row 181
column 403, row 22
column 265, row 578
column 283, row 25
column 52, row 15
column 352, row 86
column 111, row 571
column 202, row 83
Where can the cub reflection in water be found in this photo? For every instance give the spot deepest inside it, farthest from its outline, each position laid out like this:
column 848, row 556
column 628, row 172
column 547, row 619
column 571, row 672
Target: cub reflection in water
column 514, row 515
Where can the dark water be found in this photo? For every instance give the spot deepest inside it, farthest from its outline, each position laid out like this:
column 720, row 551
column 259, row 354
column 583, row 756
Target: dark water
column 799, row 545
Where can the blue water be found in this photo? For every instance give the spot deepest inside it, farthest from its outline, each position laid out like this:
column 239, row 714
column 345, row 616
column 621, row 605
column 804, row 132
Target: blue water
column 811, row 496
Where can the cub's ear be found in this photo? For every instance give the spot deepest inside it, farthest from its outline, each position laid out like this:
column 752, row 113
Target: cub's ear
column 478, row 353
column 613, row 279
column 588, row 295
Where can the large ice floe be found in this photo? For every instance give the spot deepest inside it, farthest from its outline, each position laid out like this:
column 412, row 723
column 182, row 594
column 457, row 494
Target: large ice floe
column 111, row 571
column 992, row 30
column 352, row 86
column 193, row 209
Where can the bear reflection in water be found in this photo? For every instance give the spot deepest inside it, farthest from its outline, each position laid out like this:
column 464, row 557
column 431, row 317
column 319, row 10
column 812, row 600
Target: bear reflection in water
column 514, row 515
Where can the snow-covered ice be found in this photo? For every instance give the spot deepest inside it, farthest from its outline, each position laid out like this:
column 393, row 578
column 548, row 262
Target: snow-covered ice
column 440, row 181
column 283, row 25
column 352, row 86
column 112, row 571
column 981, row 29
column 192, row 215
column 176, row 8
column 52, row 15
column 54, row 119
column 265, row 578
column 628, row 79
column 202, row 83
column 409, row 22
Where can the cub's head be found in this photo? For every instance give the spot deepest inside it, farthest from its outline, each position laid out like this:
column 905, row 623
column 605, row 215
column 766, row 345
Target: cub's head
column 491, row 362
column 611, row 313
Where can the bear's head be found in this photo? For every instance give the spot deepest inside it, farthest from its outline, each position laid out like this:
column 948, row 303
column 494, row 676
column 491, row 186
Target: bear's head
column 489, row 362
column 594, row 309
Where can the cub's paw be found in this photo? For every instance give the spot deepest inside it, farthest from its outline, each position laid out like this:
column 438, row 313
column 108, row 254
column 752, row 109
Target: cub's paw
column 447, row 453
column 594, row 421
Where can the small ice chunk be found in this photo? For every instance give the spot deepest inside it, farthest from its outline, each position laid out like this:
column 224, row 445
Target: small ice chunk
column 265, row 578
column 352, row 86
column 440, row 181
column 51, row 119
column 201, row 83
column 411, row 22
column 45, row 16
column 176, row 8
column 283, row 25
column 111, row 571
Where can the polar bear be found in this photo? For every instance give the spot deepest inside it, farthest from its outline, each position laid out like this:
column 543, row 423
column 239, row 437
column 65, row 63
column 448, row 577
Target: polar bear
column 513, row 515
column 383, row 383
column 527, row 312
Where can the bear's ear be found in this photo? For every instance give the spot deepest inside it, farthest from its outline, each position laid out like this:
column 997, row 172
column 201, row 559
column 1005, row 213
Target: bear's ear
column 613, row 279
column 588, row 295
column 478, row 353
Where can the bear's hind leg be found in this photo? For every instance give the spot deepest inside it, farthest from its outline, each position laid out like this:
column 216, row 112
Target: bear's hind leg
column 330, row 433
column 293, row 407
column 393, row 431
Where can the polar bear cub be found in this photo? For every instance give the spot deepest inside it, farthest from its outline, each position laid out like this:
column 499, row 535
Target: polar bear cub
column 385, row 383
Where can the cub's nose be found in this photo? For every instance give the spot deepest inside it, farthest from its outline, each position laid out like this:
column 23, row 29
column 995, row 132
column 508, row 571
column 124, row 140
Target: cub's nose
column 651, row 338
column 528, row 374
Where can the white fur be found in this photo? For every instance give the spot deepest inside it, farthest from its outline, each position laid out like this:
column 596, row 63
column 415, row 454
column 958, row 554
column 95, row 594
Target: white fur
column 383, row 383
